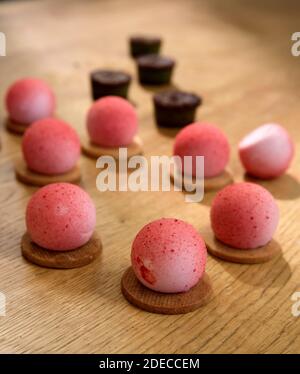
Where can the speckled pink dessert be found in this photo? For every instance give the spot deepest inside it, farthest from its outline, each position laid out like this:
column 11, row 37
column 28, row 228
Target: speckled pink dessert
column 203, row 139
column 29, row 100
column 267, row 151
column 168, row 255
column 244, row 216
column 60, row 217
column 51, row 146
column 112, row 122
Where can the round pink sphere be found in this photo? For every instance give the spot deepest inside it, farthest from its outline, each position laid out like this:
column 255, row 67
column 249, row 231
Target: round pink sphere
column 112, row 122
column 244, row 216
column 29, row 100
column 50, row 146
column 168, row 255
column 203, row 139
column 267, row 151
column 60, row 217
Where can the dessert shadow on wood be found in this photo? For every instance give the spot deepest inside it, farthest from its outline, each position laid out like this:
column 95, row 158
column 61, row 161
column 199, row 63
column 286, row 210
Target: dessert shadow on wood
column 273, row 274
column 286, row 187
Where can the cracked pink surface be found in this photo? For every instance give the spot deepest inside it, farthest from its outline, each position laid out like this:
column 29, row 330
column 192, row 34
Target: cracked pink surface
column 60, row 216
column 244, row 215
column 112, row 122
column 29, row 100
column 168, row 255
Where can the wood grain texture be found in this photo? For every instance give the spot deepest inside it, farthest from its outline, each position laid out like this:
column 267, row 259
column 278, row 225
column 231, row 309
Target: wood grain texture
column 236, row 54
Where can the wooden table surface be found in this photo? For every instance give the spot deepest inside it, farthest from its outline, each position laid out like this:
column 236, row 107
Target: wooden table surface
column 236, row 54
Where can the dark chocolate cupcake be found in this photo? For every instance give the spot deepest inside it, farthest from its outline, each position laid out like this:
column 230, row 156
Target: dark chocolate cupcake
column 144, row 45
column 175, row 108
column 109, row 83
column 155, row 69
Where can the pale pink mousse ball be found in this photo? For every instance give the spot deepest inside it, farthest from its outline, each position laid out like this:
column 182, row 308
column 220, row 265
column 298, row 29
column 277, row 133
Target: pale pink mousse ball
column 112, row 122
column 203, row 139
column 168, row 255
column 244, row 216
column 60, row 217
column 29, row 100
column 50, row 146
column 267, row 151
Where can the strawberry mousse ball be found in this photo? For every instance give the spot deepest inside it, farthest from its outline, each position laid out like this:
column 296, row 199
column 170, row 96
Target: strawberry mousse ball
column 29, row 100
column 267, row 151
column 50, row 146
column 203, row 139
column 60, row 217
column 112, row 122
column 244, row 216
column 168, row 255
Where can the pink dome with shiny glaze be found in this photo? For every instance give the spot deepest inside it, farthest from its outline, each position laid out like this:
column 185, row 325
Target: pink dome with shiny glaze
column 244, row 215
column 29, row 100
column 267, row 151
column 112, row 122
column 50, row 146
column 203, row 139
column 60, row 217
column 168, row 255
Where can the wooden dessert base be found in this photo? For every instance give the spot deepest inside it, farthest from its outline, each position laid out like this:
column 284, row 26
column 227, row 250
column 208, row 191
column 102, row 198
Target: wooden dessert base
column 242, row 256
column 25, row 175
column 14, row 127
column 61, row 259
column 155, row 302
column 210, row 184
column 95, row 151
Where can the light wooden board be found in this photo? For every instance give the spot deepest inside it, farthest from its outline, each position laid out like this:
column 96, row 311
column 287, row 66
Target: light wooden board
column 234, row 53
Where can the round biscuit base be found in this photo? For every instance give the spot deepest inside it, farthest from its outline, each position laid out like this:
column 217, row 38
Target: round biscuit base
column 25, row 175
column 61, row 259
column 165, row 303
column 210, row 184
column 242, row 256
column 95, row 151
column 14, row 127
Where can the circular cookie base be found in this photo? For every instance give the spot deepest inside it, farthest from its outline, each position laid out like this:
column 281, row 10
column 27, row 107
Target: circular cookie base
column 27, row 176
column 242, row 256
column 61, row 259
column 14, row 127
column 210, row 184
column 95, row 151
column 165, row 303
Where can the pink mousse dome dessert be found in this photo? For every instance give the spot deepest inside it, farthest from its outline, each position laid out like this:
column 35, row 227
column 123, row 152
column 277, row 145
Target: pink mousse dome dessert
column 168, row 255
column 60, row 217
column 112, row 122
column 50, row 146
column 29, row 100
column 203, row 139
column 267, row 151
column 244, row 216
